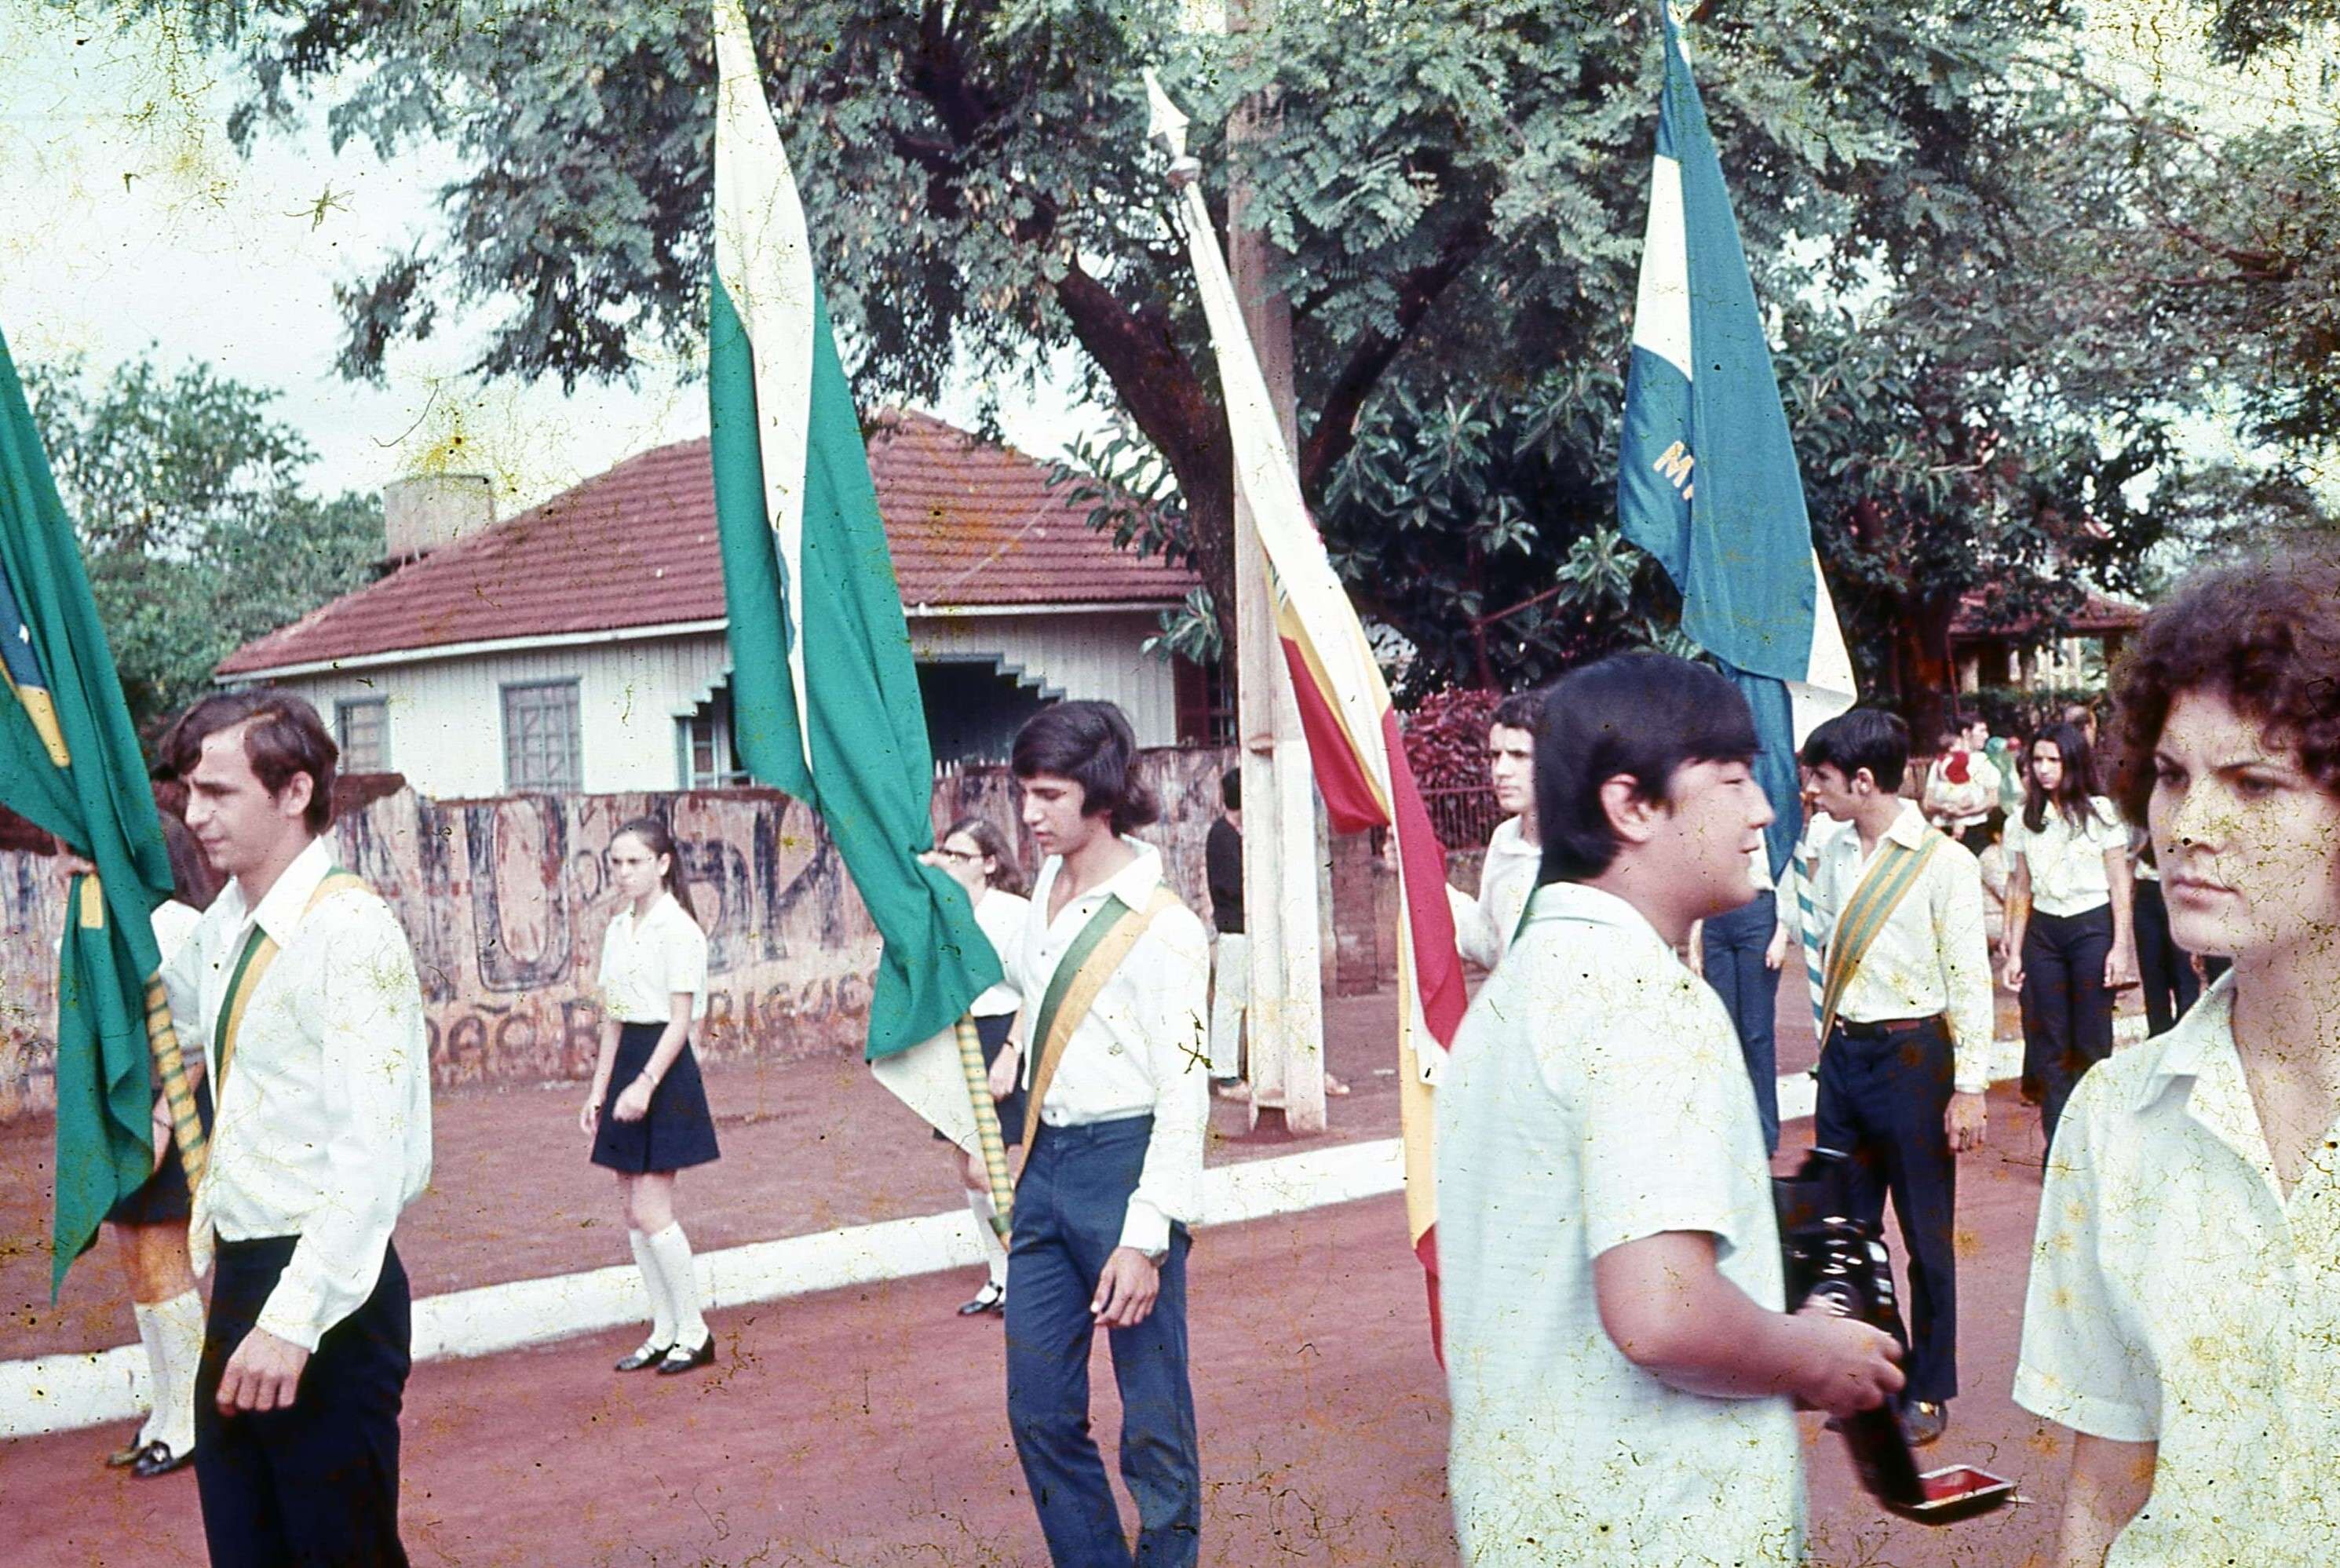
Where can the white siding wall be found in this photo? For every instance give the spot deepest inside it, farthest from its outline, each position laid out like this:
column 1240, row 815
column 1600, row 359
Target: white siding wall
column 1085, row 656
column 446, row 716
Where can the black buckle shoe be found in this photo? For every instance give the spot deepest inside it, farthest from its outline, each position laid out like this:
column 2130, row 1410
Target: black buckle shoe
column 158, row 1460
column 678, row 1359
column 647, row 1355
column 129, row 1454
column 991, row 1299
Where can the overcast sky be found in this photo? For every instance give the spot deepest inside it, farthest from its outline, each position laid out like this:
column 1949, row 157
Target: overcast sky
column 133, row 222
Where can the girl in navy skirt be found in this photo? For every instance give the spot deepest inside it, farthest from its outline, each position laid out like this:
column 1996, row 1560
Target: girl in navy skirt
column 978, row 857
column 647, row 1113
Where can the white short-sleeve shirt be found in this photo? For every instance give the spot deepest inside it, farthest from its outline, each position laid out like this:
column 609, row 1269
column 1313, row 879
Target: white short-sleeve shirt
column 645, row 961
column 1595, row 1096
column 2178, row 1298
column 2068, row 861
column 1001, row 915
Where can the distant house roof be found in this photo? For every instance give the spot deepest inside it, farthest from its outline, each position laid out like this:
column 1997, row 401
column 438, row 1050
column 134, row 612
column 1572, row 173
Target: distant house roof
column 971, row 525
column 2097, row 615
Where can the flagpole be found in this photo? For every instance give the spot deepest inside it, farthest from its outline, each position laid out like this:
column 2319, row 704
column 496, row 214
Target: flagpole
column 987, row 1138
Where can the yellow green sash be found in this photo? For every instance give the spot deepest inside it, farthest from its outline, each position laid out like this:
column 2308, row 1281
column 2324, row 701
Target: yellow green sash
column 259, row 954
column 1896, row 870
column 1081, row 974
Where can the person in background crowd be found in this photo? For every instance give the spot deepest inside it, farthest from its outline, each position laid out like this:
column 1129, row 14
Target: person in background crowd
column 2182, row 1317
column 1740, row 953
column 150, row 1225
column 300, row 987
column 1905, row 1059
column 1484, row 925
column 1230, row 952
column 1119, row 1080
column 2165, row 972
column 1622, row 1374
column 646, row 1111
column 2070, row 944
column 1962, row 786
column 977, row 856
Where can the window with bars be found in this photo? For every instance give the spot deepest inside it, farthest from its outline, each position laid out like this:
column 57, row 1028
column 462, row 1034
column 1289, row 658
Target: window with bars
column 703, row 758
column 362, row 726
column 541, row 740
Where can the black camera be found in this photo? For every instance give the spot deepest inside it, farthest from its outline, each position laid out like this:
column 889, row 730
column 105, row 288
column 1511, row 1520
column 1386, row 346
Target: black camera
column 1834, row 1257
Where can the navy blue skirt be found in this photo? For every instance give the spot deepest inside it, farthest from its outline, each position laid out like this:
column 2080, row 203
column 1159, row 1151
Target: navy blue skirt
column 992, row 1029
column 678, row 1132
column 162, row 1198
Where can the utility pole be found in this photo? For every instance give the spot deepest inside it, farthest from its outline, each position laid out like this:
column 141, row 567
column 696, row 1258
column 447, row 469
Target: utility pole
column 1281, row 912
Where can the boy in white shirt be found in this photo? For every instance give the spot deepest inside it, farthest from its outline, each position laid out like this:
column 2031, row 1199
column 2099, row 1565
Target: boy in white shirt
column 1621, row 1371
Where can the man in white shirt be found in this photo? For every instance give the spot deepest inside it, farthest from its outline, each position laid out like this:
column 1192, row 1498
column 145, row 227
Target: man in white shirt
column 1115, row 974
column 1907, row 1060
column 1621, row 1371
column 1515, row 858
column 301, row 988
column 1962, row 786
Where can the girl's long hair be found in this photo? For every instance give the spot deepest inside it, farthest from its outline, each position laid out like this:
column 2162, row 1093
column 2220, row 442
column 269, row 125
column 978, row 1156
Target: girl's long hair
column 656, row 838
column 1007, row 875
column 2073, row 791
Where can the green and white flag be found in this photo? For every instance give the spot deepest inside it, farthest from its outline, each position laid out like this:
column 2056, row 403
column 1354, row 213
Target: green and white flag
column 824, row 692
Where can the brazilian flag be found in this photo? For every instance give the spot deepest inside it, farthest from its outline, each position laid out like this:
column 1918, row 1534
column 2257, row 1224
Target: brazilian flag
column 69, row 763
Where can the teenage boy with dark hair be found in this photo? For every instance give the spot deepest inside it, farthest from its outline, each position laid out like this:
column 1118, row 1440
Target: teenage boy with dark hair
column 1621, row 1373
column 1230, row 949
column 301, row 988
column 1507, row 874
column 1907, row 1020
column 1115, row 972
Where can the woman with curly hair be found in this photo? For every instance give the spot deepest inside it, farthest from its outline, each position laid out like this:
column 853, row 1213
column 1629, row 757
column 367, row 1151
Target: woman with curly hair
column 2184, row 1313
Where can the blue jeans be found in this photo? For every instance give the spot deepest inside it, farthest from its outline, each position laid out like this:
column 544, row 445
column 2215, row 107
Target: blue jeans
column 1069, row 1206
column 1733, row 950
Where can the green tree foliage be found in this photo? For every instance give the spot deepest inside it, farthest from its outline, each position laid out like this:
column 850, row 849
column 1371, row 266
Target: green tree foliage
column 1989, row 277
column 187, row 493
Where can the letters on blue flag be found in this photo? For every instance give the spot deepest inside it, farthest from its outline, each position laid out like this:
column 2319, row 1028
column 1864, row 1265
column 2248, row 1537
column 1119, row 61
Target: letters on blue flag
column 1707, row 477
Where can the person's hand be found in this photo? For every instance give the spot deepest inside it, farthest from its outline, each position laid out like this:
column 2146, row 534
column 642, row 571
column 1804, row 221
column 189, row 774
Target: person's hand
column 1846, row 1367
column 2011, row 974
column 2120, row 968
column 1775, row 953
column 1966, row 1121
column 588, row 1115
column 265, row 1374
column 1004, row 1067
column 1125, row 1289
column 633, row 1101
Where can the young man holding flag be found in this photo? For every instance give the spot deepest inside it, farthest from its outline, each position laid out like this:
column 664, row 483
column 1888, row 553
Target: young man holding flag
column 302, row 985
column 1115, row 974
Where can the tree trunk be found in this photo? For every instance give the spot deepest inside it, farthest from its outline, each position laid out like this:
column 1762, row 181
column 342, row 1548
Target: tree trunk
column 1929, row 679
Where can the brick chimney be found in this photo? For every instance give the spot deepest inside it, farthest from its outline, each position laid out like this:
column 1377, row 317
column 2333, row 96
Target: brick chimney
column 424, row 511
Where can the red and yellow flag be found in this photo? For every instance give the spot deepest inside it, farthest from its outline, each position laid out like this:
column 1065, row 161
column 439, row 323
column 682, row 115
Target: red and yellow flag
column 1345, row 705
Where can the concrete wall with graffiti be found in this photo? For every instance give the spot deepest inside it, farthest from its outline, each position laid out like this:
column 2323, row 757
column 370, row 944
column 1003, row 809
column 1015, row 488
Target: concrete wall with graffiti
column 506, row 901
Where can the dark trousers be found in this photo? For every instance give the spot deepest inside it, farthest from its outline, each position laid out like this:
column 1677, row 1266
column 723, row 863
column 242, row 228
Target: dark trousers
column 1882, row 1098
column 2068, row 1013
column 1733, row 948
column 315, row 1484
column 2164, row 969
column 1069, row 1206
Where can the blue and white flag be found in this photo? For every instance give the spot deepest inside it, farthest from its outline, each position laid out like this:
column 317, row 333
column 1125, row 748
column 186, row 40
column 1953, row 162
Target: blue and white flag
column 1707, row 479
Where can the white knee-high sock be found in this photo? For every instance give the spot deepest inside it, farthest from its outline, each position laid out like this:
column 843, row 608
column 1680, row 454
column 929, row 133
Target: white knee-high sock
column 654, row 1287
column 178, row 1347
column 149, row 1334
column 672, row 1248
column 994, row 1255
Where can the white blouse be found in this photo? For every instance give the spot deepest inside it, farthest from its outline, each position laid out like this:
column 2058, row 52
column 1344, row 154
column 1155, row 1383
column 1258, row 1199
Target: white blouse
column 2067, row 862
column 645, row 961
column 1001, row 915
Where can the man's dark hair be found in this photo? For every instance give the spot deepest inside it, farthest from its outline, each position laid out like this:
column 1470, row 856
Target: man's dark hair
column 2264, row 634
column 1091, row 744
column 286, row 739
column 1230, row 789
column 1868, row 738
column 1961, row 723
column 1519, row 710
column 1642, row 715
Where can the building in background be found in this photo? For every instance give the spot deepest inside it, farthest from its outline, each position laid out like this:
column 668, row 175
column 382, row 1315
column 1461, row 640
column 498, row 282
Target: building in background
column 1991, row 656
column 580, row 647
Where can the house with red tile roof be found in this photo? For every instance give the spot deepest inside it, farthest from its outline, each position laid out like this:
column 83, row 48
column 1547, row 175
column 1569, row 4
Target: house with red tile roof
column 580, row 645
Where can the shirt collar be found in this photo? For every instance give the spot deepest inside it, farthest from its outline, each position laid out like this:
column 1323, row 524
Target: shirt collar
column 287, row 900
column 1591, row 905
column 1132, row 883
column 2192, row 1048
column 1909, row 829
column 1510, row 839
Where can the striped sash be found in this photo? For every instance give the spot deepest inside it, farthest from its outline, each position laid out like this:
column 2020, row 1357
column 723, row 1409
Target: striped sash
column 1897, row 870
column 1081, row 974
column 259, row 954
